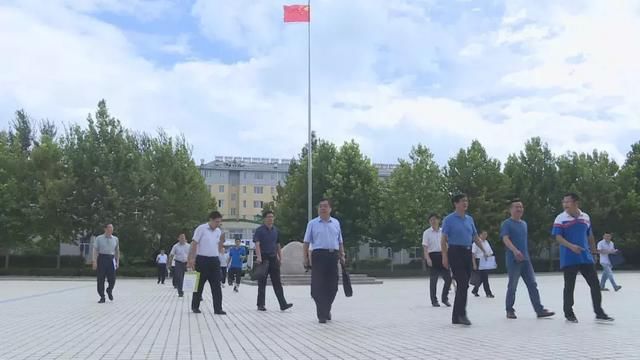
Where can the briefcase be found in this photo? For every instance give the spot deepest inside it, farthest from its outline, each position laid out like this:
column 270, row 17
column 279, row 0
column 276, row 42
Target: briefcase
column 260, row 270
column 475, row 278
column 346, row 283
column 616, row 259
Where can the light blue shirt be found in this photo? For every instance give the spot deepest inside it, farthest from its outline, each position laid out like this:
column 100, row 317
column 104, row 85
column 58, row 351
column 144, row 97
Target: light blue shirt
column 323, row 234
column 460, row 230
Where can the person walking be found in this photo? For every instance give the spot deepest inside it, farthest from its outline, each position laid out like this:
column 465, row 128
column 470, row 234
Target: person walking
column 572, row 230
column 324, row 235
column 207, row 244
column 458, row 233
column 268, row 250
column 237, row 254
column 514, row 234
column 161, row 263
column 180, row 255
column 482, row 265
column 106, row 259
column 606, row 248
column 431, row 243
column 224, row 259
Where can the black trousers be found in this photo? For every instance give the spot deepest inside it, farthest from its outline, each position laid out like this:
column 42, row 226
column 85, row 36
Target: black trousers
column 172, row 274
column 223, row 274
column 324, row 280
column 484, row 281
column 162, row 272
column 105, row 269
column 178, row 275
column 437, row 270
column 460, row 263
column 274, row 273
column 235, row 274
column 209, row 269
column 588, row 271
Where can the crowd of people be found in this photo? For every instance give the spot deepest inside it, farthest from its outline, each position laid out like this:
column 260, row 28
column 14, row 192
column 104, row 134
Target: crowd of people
column 455, row 252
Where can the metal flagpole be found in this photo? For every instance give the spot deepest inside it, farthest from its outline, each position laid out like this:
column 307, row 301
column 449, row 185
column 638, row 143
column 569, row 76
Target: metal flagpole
column 309, row 147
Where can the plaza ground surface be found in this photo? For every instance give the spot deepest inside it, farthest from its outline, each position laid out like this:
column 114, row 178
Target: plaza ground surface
column 61, row 319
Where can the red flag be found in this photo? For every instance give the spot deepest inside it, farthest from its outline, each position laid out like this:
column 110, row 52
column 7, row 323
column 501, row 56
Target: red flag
column 296, row 13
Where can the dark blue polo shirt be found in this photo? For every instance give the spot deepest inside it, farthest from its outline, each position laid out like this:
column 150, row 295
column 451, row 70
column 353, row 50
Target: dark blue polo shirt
column 460, row 230
column 268, row 239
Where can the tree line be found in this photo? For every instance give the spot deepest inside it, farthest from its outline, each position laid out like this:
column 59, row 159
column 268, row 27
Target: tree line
column 57, row 187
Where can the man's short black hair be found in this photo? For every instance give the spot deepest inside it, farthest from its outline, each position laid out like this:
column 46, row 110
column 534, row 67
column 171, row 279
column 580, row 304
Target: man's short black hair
column 215, row 215
column 267, row 212
column 573, row 196
column 107, row 225
column 182, row 232
column 456, row 198
column 434, row 215
column 325, row 199
column 514, row 200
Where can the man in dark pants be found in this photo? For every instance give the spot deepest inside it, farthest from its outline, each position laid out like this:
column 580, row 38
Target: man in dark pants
column 106, row 259
column 572, row 229
column 325, row 236
column 180, row 254
column 433, row 255
column 458, row 233
column 237, row 254
column 161, row 263
column 208, row 243
column 267, row 240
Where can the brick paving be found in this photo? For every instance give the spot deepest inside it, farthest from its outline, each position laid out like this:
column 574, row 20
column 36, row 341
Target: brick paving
column 62, row 320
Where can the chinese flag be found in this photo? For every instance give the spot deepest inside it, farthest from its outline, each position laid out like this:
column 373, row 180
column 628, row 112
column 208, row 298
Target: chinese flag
column 296, row 13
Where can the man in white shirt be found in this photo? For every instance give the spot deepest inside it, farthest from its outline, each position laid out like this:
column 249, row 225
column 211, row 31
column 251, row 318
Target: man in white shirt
column 483, row 264
column 605, row 248
column 224, row 259
column 431, row 242
column 207, row 245
column 180, row 254
column 161, row 261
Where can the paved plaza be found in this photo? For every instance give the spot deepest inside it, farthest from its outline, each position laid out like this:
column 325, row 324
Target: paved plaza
column 61, row 319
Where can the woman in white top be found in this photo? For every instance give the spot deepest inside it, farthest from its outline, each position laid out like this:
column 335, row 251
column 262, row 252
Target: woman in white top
column 483, row 264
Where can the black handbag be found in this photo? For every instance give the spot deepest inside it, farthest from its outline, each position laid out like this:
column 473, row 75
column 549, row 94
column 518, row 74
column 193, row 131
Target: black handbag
column 260, row 270
column 616, row 259
column 346, row 282
column 475, row 278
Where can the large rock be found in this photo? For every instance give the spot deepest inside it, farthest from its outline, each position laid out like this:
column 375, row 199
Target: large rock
column 292, row 259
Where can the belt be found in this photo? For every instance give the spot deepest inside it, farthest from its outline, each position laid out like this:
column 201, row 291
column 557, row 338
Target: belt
column 182, row 262
column 105, row 255
column 325, row 250
column 208, row 257
column 468, row 247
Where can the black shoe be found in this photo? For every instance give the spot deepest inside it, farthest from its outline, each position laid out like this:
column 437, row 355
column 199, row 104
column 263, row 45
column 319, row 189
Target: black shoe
column 196, row 310
column 162, row 283
column 446, row 303
column 462, row 320
column 221, row 312
column 604, row 317
column 286, row 306
column 617, row 288
column 545, row 313
column 329, row 316
column 262, row 308
column 435, row 304
column 604, row 289
column 490, row 296
column 102, row 301
column 475, row 294
column 180, row 294
column 110, row 295
column 235, row 289
column 511, row 315
column 322, row 321
column 158, row 282
column 571, row 318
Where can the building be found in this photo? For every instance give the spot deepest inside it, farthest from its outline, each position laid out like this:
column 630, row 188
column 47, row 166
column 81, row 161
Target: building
column 243, row 185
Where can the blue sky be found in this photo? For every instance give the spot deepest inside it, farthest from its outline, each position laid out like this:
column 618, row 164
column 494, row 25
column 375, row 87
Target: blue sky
column 231, row 77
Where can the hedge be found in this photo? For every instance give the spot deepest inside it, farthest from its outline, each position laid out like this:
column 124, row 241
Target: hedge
column 42, row 261
column 84, row 271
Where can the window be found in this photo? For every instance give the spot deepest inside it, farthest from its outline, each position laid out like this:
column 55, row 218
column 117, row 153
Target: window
column 221, row 188
column 389, row 253
column 220, row 204
column 244, row 189
column 257, row 204
column 233, row 211
column 273, row 189
column 244, row 204
column 245, row 175
column 273, row 176
column 259, row 175
column 258, row 190
column 373, row 252
column 244, row 216
column 209, row 187
column 234, row 196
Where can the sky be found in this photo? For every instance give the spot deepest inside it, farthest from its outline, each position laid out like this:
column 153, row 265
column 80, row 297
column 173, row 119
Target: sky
column 232, row 77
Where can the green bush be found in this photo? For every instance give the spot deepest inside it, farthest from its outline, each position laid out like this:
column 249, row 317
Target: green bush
column 81, row 271
column 42, row 261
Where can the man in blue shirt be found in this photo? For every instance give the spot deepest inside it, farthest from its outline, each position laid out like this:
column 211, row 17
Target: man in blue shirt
column 267, row 240
column 458, row 234
column 572, row 230
column 324, row 235
column 514, row 234
column 236, row 259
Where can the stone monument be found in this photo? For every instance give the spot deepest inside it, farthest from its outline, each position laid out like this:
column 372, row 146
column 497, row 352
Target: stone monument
column 292, row 259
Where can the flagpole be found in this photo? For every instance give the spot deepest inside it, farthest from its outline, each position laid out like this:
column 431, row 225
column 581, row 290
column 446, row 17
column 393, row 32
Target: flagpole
column 309, row 147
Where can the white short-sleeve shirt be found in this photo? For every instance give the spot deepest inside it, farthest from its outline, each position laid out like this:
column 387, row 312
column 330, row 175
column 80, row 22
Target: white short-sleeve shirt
column 207, row 240
column 432, row 239
column 602, row 245
column 477, row 252
column 161, row 259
